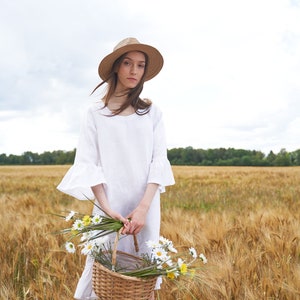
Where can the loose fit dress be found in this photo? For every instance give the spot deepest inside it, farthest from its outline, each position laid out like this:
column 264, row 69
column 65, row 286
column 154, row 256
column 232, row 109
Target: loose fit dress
column 124, row 153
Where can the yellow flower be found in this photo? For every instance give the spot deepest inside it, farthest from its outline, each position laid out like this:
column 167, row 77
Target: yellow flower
column 183, row 269
column 86, row 220
column 192, row 273
column 171, row 275
column 74, row 232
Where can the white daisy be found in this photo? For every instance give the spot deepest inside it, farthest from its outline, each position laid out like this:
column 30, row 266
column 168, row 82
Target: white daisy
column 160, row 254
column 86, row 236
column 78, row 225
column 193, row 252
column 169, row 262
column 164, row 241
column 70, row 215
column 152, row 244
column 172, row 248
column 101, row 241
column 204, row 259
column 167, row 244
column 70, row 247
column 88, row 248
column 96, row 219
column 179, row 262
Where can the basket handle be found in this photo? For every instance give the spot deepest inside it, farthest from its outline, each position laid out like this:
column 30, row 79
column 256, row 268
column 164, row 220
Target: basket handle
column 114, row 252
column 136, row 245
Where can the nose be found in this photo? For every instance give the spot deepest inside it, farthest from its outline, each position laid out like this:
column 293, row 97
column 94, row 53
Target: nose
column 133, row 69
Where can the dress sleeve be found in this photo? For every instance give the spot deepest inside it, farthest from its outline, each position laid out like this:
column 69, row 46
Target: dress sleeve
column 160, row 168
column 86, row 170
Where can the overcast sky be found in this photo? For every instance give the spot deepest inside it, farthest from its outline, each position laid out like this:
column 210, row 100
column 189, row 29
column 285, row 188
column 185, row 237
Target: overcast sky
column 231, row 76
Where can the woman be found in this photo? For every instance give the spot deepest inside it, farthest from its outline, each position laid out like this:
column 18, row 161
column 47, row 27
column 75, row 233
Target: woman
column 121, row 158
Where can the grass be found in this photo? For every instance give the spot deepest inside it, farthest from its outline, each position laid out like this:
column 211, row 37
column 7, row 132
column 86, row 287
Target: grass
column 245, row 220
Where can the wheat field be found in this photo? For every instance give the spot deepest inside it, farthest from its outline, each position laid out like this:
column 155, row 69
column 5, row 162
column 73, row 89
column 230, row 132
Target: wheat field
column 245, row 220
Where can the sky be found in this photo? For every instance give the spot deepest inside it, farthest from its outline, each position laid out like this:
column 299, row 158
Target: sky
column 231, row 75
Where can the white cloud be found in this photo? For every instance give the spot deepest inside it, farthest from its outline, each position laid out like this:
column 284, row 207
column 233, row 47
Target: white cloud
column 231, row 76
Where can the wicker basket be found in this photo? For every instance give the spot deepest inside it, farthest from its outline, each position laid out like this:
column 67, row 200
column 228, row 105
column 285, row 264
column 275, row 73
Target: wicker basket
column 110, row 285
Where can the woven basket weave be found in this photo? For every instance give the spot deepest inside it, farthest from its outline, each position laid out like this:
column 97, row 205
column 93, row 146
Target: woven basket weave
column 110, row 285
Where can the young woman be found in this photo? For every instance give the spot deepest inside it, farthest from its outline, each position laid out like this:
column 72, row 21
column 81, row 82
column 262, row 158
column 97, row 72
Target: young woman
column 121, row 158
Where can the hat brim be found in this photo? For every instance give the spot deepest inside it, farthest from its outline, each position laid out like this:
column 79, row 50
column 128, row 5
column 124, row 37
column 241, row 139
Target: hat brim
column 155, row 60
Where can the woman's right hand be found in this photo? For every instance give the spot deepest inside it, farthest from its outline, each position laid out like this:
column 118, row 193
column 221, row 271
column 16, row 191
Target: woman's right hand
column 101, row 198
column 117, row 216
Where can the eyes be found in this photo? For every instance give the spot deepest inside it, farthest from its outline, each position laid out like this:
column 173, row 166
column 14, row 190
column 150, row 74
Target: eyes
column 130, row 63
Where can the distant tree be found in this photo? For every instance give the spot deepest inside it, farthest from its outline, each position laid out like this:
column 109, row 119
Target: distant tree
column 3, row 159
column 295, row 157
column 283, row 158
column 47, row 158
column 271, row 157
column 174, row 155
column 30, row 158
column 246, row 160
column 14, row 160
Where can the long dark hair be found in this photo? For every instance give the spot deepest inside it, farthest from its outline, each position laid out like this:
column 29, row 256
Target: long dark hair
column 141, row 106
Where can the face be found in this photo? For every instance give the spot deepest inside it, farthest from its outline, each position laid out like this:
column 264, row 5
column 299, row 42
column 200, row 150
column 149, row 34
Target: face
column 131, row 70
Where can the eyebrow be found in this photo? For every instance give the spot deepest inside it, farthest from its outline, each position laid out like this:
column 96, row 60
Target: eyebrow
column 140, row 61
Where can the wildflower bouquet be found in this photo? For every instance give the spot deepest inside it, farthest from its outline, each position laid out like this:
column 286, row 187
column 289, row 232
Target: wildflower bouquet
column 163, row 258
column 92, row 230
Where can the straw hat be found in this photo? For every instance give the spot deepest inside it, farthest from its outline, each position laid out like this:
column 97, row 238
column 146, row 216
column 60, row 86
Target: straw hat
column 155, row 59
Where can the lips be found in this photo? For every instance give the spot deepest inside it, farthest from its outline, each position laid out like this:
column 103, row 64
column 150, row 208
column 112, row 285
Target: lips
column 132, row 79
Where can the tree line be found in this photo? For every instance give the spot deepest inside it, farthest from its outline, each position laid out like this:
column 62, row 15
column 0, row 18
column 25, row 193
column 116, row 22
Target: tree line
column 232, row 157
column 177, row 156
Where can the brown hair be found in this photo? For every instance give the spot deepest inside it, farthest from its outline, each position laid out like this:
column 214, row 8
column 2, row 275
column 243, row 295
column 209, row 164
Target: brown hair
column 141, row 106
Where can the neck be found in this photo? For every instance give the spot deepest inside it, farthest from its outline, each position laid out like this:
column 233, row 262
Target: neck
column 117, row 99
column 119, row 96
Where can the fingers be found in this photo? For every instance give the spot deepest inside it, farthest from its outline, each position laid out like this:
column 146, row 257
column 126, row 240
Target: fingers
column 131, row 227
column 122, row 219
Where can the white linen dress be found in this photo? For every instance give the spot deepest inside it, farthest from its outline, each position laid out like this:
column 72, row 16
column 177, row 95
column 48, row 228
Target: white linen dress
column 124, row 153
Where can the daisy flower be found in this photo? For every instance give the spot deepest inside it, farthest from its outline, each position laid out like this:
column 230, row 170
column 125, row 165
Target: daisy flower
column 78, row 225
column 169, row 262
column 179, row 262
column 172, row 248
column 160, row 254
column 152, row 244
column 183, row 269
column 70, row 247
column 86, row 236
column 88, row 247
column 192, row 273
column 101, row 241
column 193, row 252
column 172, row 274
column 86, row 220
column 96, row 219
column 164, row 241
column 70, row 215
column 204, row 259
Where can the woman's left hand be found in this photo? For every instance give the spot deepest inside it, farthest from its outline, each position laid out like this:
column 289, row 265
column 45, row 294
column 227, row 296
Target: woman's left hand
column 138, row 216
column 137, row 220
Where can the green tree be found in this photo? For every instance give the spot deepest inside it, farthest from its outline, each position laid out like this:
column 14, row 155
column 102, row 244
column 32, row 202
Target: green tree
column 283, row 158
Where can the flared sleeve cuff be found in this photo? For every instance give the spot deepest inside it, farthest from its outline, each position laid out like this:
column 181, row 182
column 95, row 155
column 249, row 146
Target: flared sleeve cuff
column 161, row 173
column 79, row 179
